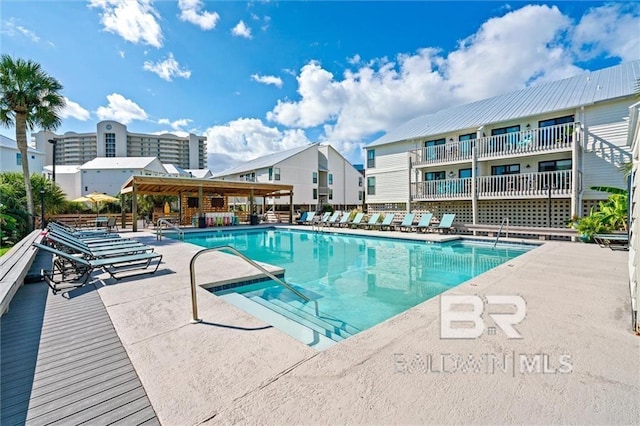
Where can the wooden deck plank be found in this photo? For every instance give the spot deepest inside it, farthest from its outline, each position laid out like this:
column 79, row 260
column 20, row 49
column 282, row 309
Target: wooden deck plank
column 62, row 362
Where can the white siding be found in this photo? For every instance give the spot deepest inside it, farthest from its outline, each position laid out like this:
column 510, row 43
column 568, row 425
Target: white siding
column 606, row 147
column 345, row 178
column 297, row 171
column 391, row 173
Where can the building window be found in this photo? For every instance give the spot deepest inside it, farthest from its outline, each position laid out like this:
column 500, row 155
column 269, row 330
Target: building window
column 360, row 195
column 468, row 137
column 371, row 185
column 561, row 134
column 315, row 177
column 330, row 179
column 18, row 159
column 505, row 130
column 276, row 173
column 371, row 158
column 359, row 181
column 270, row 173
column 464, row 173
column 331, row 194
column 556, row 121
column 435, row 142
column 110, row 144
column 435, row 175
column 315, row 193
column 509, row 169
column 193, row 202
column 554, row 165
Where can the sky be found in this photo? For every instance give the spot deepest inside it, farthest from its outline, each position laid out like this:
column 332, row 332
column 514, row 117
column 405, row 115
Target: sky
column 263, row 76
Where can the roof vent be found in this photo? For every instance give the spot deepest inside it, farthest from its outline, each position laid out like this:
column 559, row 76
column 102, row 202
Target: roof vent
column 598, row 87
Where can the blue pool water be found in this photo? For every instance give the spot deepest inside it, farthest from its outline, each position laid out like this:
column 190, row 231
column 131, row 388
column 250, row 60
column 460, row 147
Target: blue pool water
column 357, row 281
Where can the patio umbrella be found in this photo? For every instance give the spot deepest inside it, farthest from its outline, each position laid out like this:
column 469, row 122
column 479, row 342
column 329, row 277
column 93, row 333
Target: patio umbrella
column 97, row 198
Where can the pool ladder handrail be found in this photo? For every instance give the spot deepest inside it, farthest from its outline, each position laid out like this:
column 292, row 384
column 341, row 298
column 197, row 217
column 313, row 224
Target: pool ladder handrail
column 317, row 225
column 194, row 301
column 170, row 225
column 504, row 220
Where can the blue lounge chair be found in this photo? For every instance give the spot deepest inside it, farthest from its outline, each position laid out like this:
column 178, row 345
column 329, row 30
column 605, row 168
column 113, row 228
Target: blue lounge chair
column 356, row 220
column 66, row 265
column 386, row 222
column 303, row 218
column 407, row 222
column 423, row 225
column 373, row 221
column 446, row 223
column 76, row 246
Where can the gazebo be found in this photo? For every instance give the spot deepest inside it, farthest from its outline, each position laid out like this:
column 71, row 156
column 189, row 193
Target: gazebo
column 190, row 189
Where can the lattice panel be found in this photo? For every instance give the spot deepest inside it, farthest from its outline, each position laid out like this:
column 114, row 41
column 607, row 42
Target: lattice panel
column 462, row 209
column 525, row 212
column 588, row 204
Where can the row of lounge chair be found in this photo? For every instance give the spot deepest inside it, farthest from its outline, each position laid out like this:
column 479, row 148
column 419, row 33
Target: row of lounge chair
column 77, row 253
column 406, row 225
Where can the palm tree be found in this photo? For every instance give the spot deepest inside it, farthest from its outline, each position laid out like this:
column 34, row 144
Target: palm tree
column 29, row 98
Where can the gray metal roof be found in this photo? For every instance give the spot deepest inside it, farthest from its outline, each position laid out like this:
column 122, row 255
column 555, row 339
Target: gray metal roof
column 118, row 163
column 573, row 92
column 263, row 162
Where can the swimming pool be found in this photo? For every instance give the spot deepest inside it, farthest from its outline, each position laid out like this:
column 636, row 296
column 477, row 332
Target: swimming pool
column 357, row 281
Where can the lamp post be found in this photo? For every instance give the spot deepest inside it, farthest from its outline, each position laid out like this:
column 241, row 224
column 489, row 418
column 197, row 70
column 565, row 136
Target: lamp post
column 42, row 209
column 55, row 144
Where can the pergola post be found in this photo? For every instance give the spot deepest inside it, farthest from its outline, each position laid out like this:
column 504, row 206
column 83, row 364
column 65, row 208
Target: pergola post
column 290, row 206
column 134, row 207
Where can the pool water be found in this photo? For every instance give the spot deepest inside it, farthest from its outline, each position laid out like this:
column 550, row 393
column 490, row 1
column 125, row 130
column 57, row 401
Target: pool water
column 357, row 281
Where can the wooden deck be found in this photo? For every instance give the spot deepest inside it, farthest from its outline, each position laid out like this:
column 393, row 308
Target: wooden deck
column 61, row 362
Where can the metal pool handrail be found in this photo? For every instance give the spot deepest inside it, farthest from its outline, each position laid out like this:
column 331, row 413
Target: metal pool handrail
column 506, row 219
column 170, row 225
column 194, row 302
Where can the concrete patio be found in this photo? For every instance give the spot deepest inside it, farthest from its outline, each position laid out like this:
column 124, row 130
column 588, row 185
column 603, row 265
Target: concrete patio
column 577, row 360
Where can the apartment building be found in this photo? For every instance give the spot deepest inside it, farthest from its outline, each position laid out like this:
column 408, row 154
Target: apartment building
column 531, row 156
column 11, row 158
column 112, row 139
column 319, row 175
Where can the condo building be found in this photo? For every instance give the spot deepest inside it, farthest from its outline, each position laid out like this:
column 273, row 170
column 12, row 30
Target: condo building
column 532, row 156
column 112, row 139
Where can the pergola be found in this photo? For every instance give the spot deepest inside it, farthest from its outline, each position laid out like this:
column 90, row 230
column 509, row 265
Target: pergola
column 169, row 185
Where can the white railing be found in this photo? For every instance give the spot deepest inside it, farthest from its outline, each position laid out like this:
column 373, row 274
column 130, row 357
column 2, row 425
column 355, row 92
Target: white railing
column 448, row 152
column 529, row 141
column 525, row 185
column 439, row 189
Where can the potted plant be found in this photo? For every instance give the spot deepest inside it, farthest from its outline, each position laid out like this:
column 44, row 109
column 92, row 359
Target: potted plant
column 590, row 225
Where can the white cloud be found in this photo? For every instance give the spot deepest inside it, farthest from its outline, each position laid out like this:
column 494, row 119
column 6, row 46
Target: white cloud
column 12, row 29
column 612, row 30
column 247, row 138
column 354, row 60
column 267, row 79
column 176, row 125
column 241, row 30
column 167, row 69
column 191, row 11
column 121, row 53
column 121, row 109
column 74, row 110
column 134, row 20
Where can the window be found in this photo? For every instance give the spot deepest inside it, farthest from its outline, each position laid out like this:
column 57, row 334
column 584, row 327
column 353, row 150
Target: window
column 434, row 175
column 359, row 181
column 554, row 165
column 360, row 195
column 464, row 173
column 510, row 169
column 217, row 202
column 315, row 177
column 192, row 202
column 371, row 185
column 467, row 137
column 554, row 135
column 270, row 173
column 555, row 121
column 371, row 158
column 331, row 194
column 435, row 142
column 330, row 179
column 110, row 144
column 18, row 159
column 276, row 173
column 315, row 193
column 505, row 130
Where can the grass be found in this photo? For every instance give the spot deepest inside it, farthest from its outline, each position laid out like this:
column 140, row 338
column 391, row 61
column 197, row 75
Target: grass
column 3, row 250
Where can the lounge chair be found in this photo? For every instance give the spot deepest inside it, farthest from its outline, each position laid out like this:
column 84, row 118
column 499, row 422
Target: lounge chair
column 112, row 224
column 78, row 247
column 325, row 217
column 344, row 220
column 618, row 241
column 407, row 222
column 303, row 218
column 356, row 220
column 424, row 223
column 333, row 219
column 446, row 223
column 67, row 266
column 386, row 222
column 373, row 221
column 309, row 219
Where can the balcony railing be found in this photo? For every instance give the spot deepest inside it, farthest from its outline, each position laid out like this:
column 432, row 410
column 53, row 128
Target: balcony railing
column 534, row 185
column 323, row 190
column 533, row 141
column 441, row 189
column 525, row 185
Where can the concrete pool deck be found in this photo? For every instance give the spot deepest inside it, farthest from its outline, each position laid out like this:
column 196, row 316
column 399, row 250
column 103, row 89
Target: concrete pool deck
column 577, row 361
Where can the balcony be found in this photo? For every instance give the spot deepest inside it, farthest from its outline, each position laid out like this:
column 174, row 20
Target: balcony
column 525, row 185
column 528, row 142
column 323, row 190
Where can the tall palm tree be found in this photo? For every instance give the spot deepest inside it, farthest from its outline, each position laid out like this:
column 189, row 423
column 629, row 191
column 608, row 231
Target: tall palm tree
column 29, row 98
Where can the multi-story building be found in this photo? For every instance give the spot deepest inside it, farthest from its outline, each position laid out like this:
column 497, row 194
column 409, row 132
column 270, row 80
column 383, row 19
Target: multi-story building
column 319, row 175
column 11, row 158
column 112, row 139
column 532, row 155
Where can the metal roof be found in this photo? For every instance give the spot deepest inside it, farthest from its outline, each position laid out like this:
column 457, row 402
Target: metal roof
column 263, row 162
column 573, row 92
column 119, row 163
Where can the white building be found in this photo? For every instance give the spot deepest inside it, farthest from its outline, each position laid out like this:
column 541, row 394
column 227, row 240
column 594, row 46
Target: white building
column 200, row 173
column 633, row 141
column 319, row 175
column 11, row 158
column 530, row 155
column 112, row 139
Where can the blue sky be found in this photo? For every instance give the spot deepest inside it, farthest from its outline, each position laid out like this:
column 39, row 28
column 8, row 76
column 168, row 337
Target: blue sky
column 258, row 77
